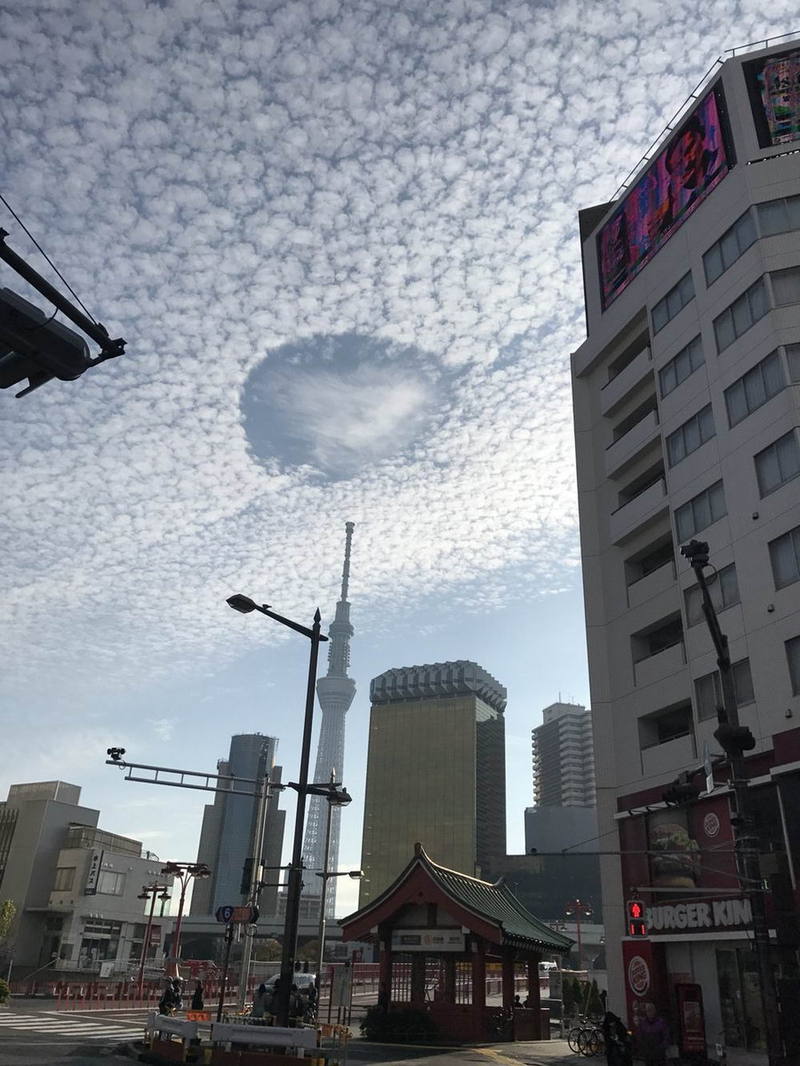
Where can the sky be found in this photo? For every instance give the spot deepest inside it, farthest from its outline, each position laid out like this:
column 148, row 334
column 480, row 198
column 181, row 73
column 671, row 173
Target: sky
column 340, row 241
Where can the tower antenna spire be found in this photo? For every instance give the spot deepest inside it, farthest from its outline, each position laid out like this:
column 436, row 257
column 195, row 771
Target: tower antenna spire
column 349, row 527
column 335, row 693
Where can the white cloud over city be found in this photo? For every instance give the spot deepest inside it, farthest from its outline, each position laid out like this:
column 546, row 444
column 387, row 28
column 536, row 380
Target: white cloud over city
column 224, row 182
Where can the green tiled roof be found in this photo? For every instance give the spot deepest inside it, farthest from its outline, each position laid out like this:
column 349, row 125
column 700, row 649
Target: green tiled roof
column 497, row 903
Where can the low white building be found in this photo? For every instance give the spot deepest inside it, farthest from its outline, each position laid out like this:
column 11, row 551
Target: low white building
column 75, row 887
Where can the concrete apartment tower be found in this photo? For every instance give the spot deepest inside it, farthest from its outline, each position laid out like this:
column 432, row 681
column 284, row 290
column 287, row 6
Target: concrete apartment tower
column 226, row 837
column 563, row 757
column 435, row 772
column 687, row 408
column 335, row 693
column 564, row 812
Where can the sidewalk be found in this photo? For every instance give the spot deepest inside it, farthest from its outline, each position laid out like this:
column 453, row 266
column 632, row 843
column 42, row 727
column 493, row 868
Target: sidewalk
column 542, row 1051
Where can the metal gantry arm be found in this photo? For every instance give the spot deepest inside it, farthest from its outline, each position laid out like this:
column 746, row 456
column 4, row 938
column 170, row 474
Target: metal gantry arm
column 182, row 775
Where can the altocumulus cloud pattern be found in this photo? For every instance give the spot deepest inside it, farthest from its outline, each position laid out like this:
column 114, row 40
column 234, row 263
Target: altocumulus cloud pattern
column 243, row 189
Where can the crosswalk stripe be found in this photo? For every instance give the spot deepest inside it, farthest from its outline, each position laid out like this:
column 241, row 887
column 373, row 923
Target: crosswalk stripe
column 91, row 1030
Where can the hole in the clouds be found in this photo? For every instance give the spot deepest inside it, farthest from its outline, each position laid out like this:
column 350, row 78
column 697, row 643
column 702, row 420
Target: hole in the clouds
column 340, row 403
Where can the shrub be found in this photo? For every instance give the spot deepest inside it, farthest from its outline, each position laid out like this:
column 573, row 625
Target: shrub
column 5, row 990
column 405, row 1025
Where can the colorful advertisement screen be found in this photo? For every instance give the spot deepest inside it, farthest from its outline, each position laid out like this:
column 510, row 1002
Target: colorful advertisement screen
column 695, row 160
column 774, row 87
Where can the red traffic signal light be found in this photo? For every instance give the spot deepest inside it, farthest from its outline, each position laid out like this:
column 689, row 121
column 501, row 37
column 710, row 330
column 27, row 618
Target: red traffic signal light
column 637, row 924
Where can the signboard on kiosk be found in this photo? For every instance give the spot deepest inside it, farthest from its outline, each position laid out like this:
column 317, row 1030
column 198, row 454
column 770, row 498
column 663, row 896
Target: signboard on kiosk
column 431, row 940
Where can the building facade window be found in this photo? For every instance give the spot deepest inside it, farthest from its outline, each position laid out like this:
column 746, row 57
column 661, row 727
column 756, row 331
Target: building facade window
column 778, row 463
column 793, row 359
column 688, row 437
column 706, row 507
column 785, row 286
column 793, row 658
column 679, row 368
column 784, row 554
column 724, row 593
column 110, row 883
column 779, row 216
column 666, row 725
column 708, row 690
column 733, row 243
column 64, row 879
column 743, row 313
column 765, row 380
column 675, row 300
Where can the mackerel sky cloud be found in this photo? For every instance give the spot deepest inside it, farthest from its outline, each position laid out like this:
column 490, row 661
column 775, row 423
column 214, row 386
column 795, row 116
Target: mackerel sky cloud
column 340, row 241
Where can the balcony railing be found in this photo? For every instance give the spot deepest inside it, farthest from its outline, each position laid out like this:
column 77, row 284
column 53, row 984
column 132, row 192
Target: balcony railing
column 615, row 390
column 634, row 514
column 657, row 667
column 652, row 584
column 625, row 449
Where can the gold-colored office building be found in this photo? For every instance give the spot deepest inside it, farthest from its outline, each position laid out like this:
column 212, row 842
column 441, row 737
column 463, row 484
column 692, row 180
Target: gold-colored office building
column 435, row 772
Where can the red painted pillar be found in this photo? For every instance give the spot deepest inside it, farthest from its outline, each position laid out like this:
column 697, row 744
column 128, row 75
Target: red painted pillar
column 385, row 974
column 534, row 994
column 508, row 978
column 449, row 983
column 479, row 975
column 418, row 980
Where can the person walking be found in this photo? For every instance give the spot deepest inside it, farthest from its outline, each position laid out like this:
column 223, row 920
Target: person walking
column 261, row 1000
column 197, row 996
column 652, row 1037
column 619, row 1051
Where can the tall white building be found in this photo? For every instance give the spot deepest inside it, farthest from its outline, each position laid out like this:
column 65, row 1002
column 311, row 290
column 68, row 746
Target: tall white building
column 335, row 693
column 563, row 757
column 687, row 408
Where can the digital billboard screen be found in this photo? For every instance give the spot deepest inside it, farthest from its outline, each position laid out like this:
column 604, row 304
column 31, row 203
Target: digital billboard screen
column 694, row 161
column 774, row 87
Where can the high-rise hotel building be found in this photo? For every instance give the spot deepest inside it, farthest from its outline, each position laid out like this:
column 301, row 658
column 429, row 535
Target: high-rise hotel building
column 687, row 420
column 435, row 772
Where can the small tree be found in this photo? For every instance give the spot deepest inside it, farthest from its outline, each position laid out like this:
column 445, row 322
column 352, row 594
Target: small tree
column 595, row 1004
column 267, row 950
column 8, row 912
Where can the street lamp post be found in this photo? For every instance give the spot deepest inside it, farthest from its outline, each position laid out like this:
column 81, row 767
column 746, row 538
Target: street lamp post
column 150, row 892
column 245, row 605
column 185, row 872
column 577, row 909
column 735, row 739
column 336, row 797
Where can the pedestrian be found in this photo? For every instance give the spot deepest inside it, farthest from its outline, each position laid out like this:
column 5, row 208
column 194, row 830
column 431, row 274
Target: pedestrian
column 197, row 996
column 617, row 1039
column 517, row 1003
column 177, row 992
column 296, row 1005
column 261, row 1000
column 652, row 1037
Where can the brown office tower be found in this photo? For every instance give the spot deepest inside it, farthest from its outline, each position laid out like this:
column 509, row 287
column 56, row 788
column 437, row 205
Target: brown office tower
column 435, row 772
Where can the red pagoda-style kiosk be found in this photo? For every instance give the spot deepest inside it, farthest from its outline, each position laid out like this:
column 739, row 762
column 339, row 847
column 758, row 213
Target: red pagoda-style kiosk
column 437, row 930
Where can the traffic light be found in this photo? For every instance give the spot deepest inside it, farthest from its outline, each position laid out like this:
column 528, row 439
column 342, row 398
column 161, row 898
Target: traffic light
column 683, row 790
column 734, row 739
column 637, row 924
column 36, row 347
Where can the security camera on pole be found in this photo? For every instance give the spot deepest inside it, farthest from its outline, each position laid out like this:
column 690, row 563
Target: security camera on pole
column 735, row 739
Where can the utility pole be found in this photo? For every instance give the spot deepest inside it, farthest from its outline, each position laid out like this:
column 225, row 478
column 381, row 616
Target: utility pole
column 735, row 739
column 255, row 870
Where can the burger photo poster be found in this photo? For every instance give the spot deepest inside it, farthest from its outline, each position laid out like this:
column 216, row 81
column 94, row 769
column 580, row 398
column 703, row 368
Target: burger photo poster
column 675, row 854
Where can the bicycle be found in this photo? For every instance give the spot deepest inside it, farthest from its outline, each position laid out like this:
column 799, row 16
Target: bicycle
column 501, row 1025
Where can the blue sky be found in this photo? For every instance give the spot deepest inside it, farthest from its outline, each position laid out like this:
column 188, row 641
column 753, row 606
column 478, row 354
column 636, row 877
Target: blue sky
column 340, row 240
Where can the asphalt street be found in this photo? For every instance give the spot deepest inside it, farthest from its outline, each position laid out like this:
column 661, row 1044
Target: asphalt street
column 33, row 1032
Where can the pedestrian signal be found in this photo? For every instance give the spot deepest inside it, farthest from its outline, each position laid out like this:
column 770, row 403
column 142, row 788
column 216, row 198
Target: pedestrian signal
column 637, row 924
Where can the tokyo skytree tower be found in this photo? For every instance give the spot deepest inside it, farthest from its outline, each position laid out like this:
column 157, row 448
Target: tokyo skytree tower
column 335, row 693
